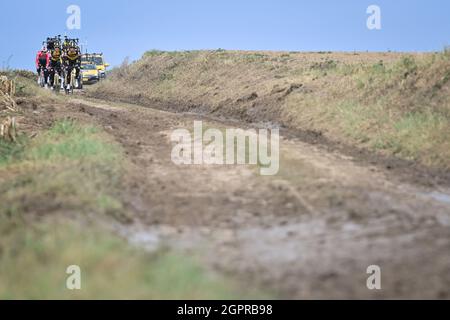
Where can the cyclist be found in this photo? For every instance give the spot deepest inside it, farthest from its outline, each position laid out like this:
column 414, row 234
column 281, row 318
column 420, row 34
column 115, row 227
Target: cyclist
column 72, row 60
column 54, row 42
column 42, row 61
column 55, row 65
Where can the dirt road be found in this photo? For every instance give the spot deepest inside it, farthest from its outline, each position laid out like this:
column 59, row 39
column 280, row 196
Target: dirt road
column 309, row 232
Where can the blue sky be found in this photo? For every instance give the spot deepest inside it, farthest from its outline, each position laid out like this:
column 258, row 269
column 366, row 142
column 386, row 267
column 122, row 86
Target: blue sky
column 122, row 28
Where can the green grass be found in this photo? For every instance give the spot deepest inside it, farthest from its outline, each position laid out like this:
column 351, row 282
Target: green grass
column 419, row 135
column 70, row 166
column 416, row 135
column 398, row 108
column 66, row 140
column 10, row 151
column 54, row 192
column 34, row 260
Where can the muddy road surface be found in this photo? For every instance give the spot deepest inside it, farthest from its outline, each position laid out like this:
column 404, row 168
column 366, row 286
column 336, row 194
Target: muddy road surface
column 309, row 232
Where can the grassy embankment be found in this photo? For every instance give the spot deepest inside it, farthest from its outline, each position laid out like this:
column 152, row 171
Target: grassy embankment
column 392, row 103
column 54, row 190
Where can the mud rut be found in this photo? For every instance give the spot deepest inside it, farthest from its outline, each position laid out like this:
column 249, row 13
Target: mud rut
column 309, row 232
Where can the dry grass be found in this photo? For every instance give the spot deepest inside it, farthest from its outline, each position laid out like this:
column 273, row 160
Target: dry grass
column 390, row 102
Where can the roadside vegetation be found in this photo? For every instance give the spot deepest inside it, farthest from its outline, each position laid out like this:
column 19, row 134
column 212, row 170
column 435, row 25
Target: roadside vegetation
column 59, row 196
column 391, row 103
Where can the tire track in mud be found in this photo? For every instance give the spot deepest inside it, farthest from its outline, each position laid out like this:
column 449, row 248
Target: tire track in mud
column 309, row 232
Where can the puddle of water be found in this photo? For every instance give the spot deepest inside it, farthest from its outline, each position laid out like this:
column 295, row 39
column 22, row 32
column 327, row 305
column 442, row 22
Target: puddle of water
column 442, row 197
column 147, row 240
column 152, row 239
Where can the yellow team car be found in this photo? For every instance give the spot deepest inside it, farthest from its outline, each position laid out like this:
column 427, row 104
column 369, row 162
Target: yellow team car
column 97, row 60
column 90, row 73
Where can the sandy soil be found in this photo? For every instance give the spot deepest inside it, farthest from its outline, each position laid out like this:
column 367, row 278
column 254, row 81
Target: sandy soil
column 309, row 232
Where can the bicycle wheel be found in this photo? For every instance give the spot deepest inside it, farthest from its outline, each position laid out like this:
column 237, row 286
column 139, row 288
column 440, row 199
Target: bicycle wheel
column 66, row 84
column 72, row 81
column 41, row 79
column 80, row 82
column 56, row 83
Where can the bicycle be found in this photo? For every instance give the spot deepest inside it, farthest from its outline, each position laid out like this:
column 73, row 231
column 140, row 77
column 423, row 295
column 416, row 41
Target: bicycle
column 80, row 81
column 58, row 81
column 69, row 86
column 73, row 82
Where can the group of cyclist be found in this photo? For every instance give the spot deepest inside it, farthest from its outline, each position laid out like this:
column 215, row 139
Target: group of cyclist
column 59, row 57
